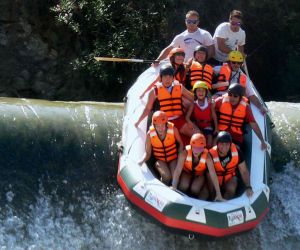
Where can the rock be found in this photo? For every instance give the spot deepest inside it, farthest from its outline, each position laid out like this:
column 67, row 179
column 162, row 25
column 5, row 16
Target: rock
column 25, row 74
column 39, row 75
column 5, row 94
column 37, row 48
column 40, row 87
column 3, row 37
column 26, row 27
column 53, row 54
column 19, row 83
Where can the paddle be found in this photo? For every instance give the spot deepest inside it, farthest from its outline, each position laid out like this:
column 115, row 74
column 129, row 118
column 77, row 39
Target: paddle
column 245, row 67
column 116, row 59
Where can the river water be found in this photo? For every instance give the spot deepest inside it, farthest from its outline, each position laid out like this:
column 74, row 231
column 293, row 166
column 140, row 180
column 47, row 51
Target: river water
column 58, row 183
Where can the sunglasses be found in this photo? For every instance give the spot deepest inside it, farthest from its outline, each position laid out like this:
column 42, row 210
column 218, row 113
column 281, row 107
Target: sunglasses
column 232, row 95
column 235, row 23
column 189, row 21
column 239, row 63
column 180, row 54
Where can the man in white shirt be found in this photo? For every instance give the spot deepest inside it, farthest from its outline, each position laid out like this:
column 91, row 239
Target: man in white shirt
column 229, row 36
column 189, row 39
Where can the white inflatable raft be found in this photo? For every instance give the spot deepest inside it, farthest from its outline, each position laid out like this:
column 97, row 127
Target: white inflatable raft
column 177, row 210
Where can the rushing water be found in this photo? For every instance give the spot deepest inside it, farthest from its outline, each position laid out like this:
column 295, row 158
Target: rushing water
column 59, row 189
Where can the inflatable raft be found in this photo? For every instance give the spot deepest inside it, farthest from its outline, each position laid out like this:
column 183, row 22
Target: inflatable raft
column 175, row 209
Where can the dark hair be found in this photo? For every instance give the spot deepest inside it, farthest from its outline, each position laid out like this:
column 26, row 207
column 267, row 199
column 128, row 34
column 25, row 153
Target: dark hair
column 224, row 137
column 236, row 13
column 180, row 73
column 236, row 89
column 166, row 69
column 201, row 48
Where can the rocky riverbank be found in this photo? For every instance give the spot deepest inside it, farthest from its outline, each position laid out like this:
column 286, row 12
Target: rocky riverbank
column 31, row 51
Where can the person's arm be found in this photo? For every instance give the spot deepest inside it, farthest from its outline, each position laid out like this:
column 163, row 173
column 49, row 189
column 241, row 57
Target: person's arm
column 148, row 108
column 251, row 120
column 222, row 45
column 178, row 139
column 178, row 169
column 150, row 86
column 257, row 131
column 163, row 54
column 214, row 178
column 187, row 94
column 218, row 84
column 246, row 178
column 148, row 150
column 190, row 124
column 241, row 44
column 210, row 51
column 253, row 99
column 189, row 113
column 214, row 117
column 240, row 48
column 250, row 94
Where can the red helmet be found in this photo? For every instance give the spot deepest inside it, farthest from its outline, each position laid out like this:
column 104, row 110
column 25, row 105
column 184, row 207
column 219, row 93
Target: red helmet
column 159, row 117
column 198, row 140
column 175, row 50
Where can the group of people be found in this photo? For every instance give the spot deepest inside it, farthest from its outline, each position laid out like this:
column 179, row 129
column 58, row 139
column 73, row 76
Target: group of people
column 208, row 104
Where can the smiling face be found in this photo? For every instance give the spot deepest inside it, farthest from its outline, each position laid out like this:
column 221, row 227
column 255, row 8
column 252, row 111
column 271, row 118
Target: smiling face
column 200, row 56
column 201, row 93
column 235, row 23
column 235, row 66
column 167, row 80
column 223, row 148
column 234, row 99
column 179, row 58
column 197, row 151
column 191, row 23
column 161, row 129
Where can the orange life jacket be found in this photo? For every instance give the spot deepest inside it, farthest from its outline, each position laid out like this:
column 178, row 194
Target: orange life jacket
column 224, row 78
column 230, row 120
column 203, row 117
column 165, row 150
column 227, row 172
column 170, row 103
column 200, row 168
column 201, row 72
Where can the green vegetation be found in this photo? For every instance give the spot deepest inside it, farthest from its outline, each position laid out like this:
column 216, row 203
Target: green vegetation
column 140, row 29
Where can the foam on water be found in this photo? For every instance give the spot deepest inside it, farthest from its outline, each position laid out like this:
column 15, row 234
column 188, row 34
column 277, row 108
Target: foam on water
column 85, row 219
column 286, row 134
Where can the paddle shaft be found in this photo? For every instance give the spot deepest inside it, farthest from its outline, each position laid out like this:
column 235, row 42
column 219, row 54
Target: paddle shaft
column 115, row 59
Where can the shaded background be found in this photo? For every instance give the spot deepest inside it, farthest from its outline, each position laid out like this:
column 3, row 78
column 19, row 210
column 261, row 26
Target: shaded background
column 47, row 46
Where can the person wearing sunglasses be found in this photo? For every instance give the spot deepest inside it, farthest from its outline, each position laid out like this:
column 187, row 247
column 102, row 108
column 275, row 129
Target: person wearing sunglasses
column 229, row 36
column 231, row 72
column 189, row 39
column 234, row 112
column 227, row 159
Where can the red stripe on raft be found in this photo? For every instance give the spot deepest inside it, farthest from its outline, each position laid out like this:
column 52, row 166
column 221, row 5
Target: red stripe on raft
column 185, row 225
